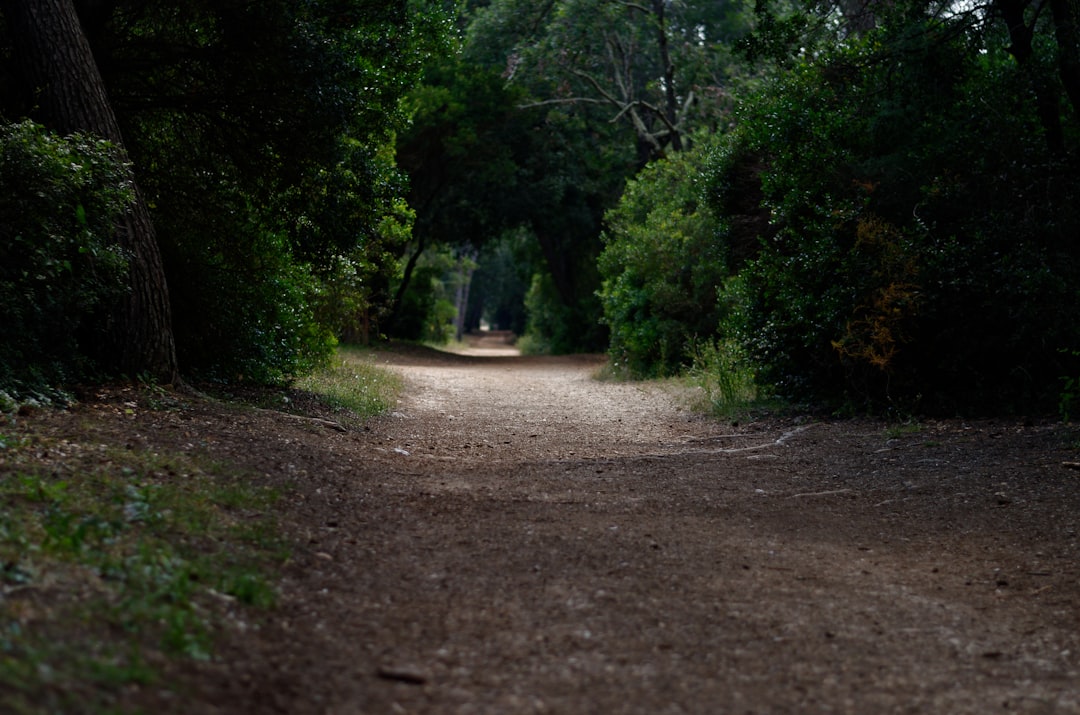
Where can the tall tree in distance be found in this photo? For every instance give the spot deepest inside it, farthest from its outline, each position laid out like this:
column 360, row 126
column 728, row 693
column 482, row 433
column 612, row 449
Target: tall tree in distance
column 655, row 66
column 53, row 53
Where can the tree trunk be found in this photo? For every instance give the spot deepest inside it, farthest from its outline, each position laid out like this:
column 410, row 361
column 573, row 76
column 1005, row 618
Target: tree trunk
column 406, row 279
column 466, row 268
column 1067, row 33
column 1022, row 49
column 671, row 100
column 53, row 53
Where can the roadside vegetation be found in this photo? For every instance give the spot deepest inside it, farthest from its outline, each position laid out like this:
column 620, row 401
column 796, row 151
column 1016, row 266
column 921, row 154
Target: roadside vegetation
column 116, row 560
column 113, row 559
column 866, row 209
column 352, row 385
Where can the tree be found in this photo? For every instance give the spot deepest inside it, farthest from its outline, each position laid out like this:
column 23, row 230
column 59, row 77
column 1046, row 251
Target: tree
column 270, row 123
column 921, row 250
column 260, row 133
column 661, row 267
column 57, row 60
column 659, row 67
column 462, row 151
column 612, row 85
column 481, row 163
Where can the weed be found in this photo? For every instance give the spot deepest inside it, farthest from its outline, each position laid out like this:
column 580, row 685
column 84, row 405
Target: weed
column 724, row 377
column 352, row 383
column 903, row 429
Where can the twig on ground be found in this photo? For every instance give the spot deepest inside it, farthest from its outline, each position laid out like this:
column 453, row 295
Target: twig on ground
column 829, row 493
column 314, row 420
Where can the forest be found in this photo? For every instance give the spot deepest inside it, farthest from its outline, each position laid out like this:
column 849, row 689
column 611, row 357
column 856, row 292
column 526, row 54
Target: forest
column 863, row 206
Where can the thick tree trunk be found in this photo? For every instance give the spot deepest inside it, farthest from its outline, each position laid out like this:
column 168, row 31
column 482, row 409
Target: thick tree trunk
column 55, row 56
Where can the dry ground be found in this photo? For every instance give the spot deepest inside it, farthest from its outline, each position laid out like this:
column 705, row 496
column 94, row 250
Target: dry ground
column 518, row 537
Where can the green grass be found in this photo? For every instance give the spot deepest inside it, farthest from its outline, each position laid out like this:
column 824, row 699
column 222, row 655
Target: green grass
column 116, row 563
column 904, row 428
column 352, row 382
column 723, row 379
column 113, row 562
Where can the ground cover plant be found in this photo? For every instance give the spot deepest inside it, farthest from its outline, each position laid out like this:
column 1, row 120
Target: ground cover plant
column 114, row 559
column 353, row 386
column 119, row 560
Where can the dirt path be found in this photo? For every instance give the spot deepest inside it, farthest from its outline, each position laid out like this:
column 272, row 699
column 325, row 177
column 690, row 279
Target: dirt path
column 521, row 538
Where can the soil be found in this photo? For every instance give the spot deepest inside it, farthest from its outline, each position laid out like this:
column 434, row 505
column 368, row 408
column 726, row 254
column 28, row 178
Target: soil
column 518, row 536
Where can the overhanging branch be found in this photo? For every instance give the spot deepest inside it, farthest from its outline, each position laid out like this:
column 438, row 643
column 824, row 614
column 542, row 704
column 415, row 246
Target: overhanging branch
column 564, row 100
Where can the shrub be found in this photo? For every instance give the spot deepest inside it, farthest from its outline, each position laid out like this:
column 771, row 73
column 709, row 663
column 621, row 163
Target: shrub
column 60, row 266
column 245, row 310
column 660, row 268
column 906, row 265
column 555, row 328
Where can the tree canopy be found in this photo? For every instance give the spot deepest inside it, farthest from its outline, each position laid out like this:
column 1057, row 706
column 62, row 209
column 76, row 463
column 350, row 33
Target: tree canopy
column 261, row 136
column 871, row 205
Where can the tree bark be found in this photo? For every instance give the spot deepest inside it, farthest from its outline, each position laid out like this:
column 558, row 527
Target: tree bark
column 406, row 279
column 53, row 53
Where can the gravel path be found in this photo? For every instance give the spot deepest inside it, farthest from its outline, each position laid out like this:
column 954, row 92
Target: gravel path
column 519, row 537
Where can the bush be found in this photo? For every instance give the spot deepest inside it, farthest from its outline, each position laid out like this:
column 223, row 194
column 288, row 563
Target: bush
column 244, row 305
column 248, row 321
column 60, row 265
column 661, row 266
column 555, row 328
column 906, row 265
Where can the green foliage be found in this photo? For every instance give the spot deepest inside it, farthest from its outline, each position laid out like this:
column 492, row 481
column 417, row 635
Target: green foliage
column 253, row 320
column 356, row 291
column 502, row 279
column 278, row 204
column 661, row 267
column 907, row 266
column 60, row 266
column 589, row 92
column 262, row 137
column 429, row 309
column 657, row 70
column 462, row 150
column 724, row 376
column 553, row 327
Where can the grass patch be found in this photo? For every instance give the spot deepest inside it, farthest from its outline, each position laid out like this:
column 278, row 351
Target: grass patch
column 115, row 562
column 724, row 380
column 905, row 428
column 610, row 372
column 351, row 382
